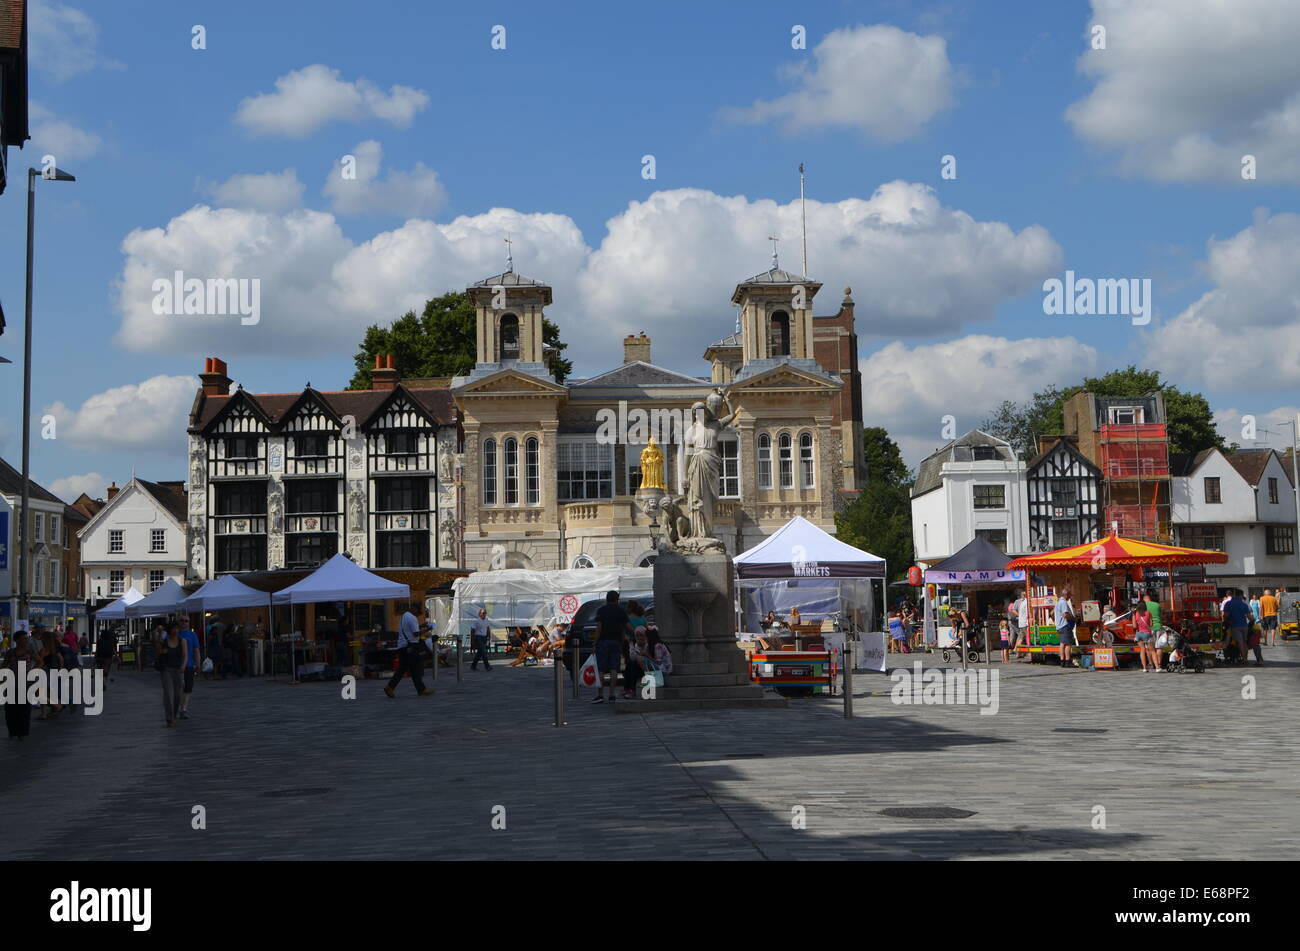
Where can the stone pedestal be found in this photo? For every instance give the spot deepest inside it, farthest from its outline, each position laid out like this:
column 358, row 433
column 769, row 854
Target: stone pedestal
column 695, row 612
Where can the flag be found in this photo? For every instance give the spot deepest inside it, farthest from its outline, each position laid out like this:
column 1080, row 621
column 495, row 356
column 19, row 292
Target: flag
column 589, row 673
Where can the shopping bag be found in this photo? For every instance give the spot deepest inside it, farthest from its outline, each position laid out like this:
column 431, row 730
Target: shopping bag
column 589, row 673
column 207, row 665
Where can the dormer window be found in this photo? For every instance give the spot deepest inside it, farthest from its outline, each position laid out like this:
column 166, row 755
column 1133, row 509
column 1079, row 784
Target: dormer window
column 241, row 447
column 1126, row 415
column 984, row 453
column 509, row 337
column 402, row 444
column 313, row 446
column 778, row 334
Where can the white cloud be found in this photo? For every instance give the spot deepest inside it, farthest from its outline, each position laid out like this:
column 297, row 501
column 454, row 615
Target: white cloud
column 140, row 416
column 1244, row 334
column 52, row 135
column 884, row 81
column 1185, row 88
column 1270, row 429
column 63, row 41
column 410, row 193
column 308, row 98
column 667, row 265
column 69, row 488
column 909, row 390
column 268, row 191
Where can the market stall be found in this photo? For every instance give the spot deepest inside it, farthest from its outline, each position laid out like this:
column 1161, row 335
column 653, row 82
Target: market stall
column 1112, row 573
column 519, row 597
column 167, row 599
column 228, row 593
column 117, row 612
column 976, row 578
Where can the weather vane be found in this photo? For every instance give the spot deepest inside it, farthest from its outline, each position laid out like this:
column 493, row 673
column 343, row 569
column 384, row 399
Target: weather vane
column 510, row 258
column 774, row 239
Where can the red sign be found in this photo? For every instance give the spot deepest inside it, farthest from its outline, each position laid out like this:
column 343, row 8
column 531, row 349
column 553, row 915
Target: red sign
column 569, row 605
column 1198, row 591
column 914, row 576
column 1104, row 658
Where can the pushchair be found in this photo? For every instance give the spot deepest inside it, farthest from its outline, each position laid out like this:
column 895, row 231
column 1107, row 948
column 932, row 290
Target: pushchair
column 1184, row 659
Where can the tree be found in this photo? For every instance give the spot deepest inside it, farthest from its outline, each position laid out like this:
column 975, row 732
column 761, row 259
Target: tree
column 879, row 520
column 439, row 342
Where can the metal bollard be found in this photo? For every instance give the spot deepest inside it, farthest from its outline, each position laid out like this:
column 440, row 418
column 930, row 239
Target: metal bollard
column 848, row 684
column 459, row 666
column 559, row 694
column 433, row 673
column 574, row 670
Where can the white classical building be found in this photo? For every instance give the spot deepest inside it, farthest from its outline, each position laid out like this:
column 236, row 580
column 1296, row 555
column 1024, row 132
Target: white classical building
column 136, row 540
column 973, row 486
column 1243, row 504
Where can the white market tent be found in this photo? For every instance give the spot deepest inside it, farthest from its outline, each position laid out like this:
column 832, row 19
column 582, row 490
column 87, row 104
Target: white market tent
column 166, row 599
column 225, row 593
column 341, row 579
column 522, row 597
column 117, row 610
column 801, row 565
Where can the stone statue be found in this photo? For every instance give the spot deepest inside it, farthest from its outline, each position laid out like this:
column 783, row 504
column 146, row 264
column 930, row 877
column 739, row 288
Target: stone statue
column 449, row 540
column 356, row 508
column 446, row 466
column 652, row 466
column 676, row 525
column 703, row 467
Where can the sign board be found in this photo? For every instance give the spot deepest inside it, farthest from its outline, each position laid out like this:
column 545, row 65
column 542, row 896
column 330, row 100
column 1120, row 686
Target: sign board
column 872, row 651
column 568, row 605
column 1091, row 611
column 1000, row 576
column 1202, row 592
column 1104, row 658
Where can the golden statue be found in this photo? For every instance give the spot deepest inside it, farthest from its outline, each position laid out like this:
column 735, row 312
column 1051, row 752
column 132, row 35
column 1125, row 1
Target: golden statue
column 652, row 466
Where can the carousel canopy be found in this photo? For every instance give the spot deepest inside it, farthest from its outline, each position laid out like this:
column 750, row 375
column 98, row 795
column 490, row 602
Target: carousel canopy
column 1114, row 551
column 799, row 549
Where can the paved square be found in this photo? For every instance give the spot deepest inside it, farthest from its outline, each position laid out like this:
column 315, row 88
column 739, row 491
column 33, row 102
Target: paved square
column 1185, row 768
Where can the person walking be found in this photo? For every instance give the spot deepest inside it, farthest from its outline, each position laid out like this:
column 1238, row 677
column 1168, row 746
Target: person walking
column 480, row 635
column 612, row 627
column 212, row 639
column 171, row 654
column 1065, row 621
column 18, row 712
column 106, row 653
column 1268, row 605
column 51, row 657
column 1236, row 615
column 409, row 650
column 191, row 661
column 1013, row 623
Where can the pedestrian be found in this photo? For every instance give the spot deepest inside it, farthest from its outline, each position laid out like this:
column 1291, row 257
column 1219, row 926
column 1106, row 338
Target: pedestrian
column 480, row 635
column 51, row 657
column 1065, row 620
column 83, row 644
column 1268, row 605
column 234, row 646
column 658, row 650
column 1153, row 605
column 1236, row 616
column 170, row 656
column 1146, row 642
column 18, row 712
column 410, row 649
column 898, row 633
column 638, row 651
column 1254, row 609
column 1013, row 623
column 612, row 627
column 106, row 653
column 215, row 632
column 191, row 661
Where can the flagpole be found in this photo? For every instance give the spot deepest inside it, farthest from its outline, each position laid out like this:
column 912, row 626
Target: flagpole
column 803, row 219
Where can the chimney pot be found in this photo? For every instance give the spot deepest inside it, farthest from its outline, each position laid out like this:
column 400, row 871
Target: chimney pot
column 112, row 491
column 636, row 347
column 214, row 379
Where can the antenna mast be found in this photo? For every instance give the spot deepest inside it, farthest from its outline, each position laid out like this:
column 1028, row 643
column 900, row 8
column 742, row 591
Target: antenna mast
column 803, row 218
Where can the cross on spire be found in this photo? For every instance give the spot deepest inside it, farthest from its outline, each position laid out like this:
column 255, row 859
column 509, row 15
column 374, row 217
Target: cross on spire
column 774, row 239
column 510, row 258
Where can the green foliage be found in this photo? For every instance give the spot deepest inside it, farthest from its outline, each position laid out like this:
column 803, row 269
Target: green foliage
column 879, row 520
column 439, row 342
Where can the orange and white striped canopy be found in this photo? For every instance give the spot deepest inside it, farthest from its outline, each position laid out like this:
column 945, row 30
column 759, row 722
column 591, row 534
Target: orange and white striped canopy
column 1114, row 551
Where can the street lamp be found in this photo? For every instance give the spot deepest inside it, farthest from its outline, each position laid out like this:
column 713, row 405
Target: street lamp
column 24, row 582
column 1295, row 477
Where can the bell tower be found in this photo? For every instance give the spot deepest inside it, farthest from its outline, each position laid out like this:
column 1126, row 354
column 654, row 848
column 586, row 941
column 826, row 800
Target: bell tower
column 509, row 309
column 776, row 315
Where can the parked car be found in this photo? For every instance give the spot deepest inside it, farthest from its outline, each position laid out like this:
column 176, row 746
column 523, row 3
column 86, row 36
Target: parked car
column 583, row 626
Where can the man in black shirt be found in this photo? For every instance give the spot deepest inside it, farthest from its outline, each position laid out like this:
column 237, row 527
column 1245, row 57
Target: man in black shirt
column 612, row 627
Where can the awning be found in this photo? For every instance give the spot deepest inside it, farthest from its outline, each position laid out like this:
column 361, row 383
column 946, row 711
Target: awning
column 1117, row 552
column 978, row 562
column 166, row 599
column 224, row 593
column 117, row 610
column 799, row 549
column 341, row 579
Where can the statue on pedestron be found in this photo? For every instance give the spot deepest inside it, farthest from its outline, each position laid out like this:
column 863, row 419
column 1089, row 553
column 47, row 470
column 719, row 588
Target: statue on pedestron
column 703, row 469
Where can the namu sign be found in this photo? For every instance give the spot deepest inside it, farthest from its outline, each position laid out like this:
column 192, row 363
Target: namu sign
column 939, row 576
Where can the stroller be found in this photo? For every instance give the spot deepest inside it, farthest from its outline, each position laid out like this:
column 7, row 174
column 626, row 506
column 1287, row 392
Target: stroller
column 1185, row 659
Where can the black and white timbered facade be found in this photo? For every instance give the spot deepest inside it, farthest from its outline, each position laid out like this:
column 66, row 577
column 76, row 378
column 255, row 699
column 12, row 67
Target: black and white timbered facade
column 289, row 480
column 1064, row 493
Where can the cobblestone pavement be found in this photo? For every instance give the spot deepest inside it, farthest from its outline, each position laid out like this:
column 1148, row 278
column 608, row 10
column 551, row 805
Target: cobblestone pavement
column 1183, row 766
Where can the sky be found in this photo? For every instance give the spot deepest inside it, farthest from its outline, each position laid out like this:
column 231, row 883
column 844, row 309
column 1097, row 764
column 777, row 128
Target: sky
column 959, row 157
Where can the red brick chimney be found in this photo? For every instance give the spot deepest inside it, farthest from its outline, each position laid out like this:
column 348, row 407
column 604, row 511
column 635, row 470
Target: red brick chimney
column 214, row 379
column 384, row 375
column 112, row 491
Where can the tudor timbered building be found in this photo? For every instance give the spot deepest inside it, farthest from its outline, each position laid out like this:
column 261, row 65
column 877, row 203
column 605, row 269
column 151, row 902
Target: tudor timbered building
column 287, row 480
column 1063, row 490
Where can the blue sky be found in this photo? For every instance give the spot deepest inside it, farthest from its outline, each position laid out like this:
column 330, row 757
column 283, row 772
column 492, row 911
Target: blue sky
column 1114, row 163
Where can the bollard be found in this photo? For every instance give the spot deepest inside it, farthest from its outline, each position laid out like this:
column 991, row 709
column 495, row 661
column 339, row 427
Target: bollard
column 574, row 671
column 848, row 684
column 459, row 666
column 559, row 694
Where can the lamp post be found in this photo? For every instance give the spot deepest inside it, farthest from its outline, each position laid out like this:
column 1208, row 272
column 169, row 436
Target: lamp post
column 24, row 582
column 1295, row 478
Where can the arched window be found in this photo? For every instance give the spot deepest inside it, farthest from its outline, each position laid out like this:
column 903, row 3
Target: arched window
column 646, row 559
column 532, row 471
column 764, row 461
column 489, row 472
column 778, row 334
column 510, row 449
column 785, row 451
column 806, row 467
column 509, row 332
column 584, row 561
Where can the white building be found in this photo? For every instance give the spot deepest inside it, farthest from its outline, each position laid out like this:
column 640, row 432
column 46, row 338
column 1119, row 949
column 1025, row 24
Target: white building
column 137, row 539
column 48, row 582
column 973, row 486
column 1242, row 504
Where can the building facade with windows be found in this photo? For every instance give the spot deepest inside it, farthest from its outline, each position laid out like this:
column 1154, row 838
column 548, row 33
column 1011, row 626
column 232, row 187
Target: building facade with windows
column 288, row 480
column 551, row 470
column 52, row 598
column 973, row 487
column 1241, row 503
column 135, row 539
column 1063, row 493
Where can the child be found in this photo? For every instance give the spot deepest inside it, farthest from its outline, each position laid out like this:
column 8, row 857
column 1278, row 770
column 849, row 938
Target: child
column 898, row 633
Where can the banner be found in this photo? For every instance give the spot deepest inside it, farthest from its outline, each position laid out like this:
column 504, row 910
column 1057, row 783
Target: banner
column 871, row 651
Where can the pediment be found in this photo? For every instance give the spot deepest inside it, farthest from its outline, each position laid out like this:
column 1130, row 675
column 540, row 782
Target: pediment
column 783, row 378
column 509, row 383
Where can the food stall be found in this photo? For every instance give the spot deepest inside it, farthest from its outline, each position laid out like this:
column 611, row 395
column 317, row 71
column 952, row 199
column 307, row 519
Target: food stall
column 977, row 575
column 1111, row 572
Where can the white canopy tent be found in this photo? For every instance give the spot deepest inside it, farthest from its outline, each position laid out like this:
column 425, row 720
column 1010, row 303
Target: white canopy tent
column 800, row 565
column 168, row 598
column 519, row 596
column 117, row 610
column 224, row 593
column 341, row 579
